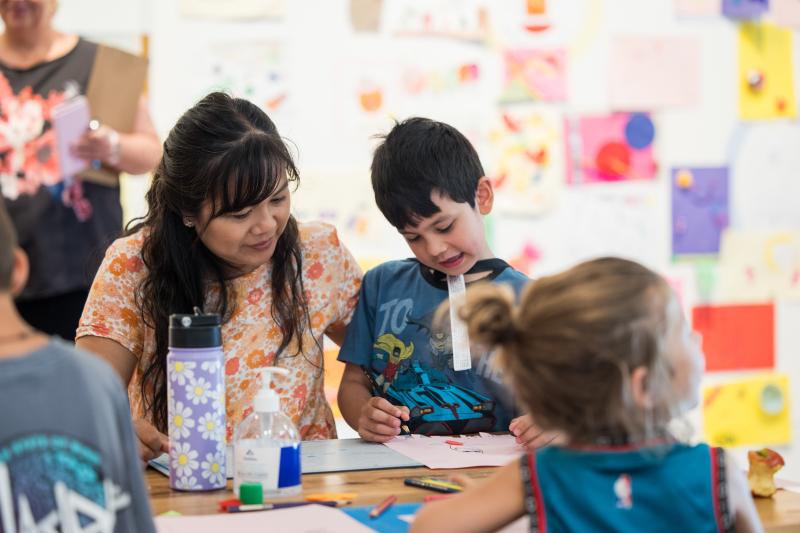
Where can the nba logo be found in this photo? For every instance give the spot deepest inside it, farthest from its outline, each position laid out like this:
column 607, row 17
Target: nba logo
column 624, row 492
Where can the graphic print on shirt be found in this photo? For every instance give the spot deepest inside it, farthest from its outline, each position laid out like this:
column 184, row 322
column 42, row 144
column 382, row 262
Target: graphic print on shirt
column 56, row 483
column 623, row 489
column 412, row 365
column 28, row 151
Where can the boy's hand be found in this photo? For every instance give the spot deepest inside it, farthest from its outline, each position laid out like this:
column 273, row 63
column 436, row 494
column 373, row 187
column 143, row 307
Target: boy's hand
column 380, row 420
column 530, row 436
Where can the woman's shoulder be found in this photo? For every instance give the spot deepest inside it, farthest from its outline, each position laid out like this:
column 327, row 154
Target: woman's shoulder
column 316, row 235
column 130, row 244
column 124, row 256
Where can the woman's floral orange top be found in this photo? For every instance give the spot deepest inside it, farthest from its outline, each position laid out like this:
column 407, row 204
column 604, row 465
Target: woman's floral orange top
column 331, row 278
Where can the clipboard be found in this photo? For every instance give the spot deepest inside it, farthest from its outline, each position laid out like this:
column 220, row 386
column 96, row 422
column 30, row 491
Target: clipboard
column 115, row 85
column 70, row 121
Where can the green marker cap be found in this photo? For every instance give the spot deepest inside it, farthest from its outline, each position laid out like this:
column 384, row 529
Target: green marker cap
column 251, row 493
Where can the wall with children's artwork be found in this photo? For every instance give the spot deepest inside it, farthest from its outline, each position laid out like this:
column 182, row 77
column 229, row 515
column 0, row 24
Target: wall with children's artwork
column 661, row 130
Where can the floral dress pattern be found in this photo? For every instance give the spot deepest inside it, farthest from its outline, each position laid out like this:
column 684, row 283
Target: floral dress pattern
column 250, row 338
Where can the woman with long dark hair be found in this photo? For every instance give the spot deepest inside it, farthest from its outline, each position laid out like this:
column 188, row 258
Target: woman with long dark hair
column 219, row 235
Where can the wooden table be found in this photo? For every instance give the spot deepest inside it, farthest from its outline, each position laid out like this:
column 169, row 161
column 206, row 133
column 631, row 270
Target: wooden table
column 780, row 514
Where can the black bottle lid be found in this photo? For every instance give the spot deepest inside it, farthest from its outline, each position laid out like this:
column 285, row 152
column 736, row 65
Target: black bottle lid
column 195, row 331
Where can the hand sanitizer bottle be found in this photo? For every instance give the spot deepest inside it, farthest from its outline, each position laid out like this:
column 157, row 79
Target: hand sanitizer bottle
column 267, row 445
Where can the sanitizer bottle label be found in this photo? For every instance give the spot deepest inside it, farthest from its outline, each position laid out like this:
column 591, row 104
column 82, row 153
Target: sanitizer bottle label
column 257, row 464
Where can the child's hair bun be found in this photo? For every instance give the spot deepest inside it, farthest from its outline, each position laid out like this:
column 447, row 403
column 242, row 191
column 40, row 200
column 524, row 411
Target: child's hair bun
column 489, row 315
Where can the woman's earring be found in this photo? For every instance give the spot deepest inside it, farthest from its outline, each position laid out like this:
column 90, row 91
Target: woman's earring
column 188, row 222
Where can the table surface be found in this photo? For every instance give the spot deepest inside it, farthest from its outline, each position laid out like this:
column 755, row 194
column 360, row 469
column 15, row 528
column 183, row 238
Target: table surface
column 780, row 514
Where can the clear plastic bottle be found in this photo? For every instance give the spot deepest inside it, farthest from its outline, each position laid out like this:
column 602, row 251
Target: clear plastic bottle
column 267, row 444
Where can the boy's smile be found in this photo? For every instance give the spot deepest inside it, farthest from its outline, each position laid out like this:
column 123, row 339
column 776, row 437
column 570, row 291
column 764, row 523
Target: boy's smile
column 452, row 240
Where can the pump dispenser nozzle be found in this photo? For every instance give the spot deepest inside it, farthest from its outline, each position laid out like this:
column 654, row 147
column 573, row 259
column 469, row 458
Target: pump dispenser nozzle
column 266, row 400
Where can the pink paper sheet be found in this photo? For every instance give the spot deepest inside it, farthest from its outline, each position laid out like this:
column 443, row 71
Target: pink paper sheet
column 475, row 450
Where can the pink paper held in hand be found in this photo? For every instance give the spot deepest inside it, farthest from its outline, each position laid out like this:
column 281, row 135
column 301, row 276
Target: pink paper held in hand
column 70, row 122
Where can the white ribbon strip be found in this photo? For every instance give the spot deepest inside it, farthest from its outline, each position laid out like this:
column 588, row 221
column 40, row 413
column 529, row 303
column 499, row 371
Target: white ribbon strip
column 456, row 289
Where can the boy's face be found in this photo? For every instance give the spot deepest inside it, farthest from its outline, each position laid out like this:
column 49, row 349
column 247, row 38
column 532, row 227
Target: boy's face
column 452, row 240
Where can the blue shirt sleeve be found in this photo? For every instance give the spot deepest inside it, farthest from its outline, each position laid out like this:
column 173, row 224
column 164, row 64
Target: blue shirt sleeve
column 357, row 347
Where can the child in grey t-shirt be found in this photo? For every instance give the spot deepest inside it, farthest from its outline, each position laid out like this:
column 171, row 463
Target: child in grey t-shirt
column 67, row 450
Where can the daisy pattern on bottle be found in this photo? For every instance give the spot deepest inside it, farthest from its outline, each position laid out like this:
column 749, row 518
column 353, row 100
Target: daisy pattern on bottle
column 180, row 422
column 210, row 426
column 184, row 459
column 211, row 366
column 218, row 399
column 198, row 391
column 187, row 483
column 182, row 371
column 213, row 468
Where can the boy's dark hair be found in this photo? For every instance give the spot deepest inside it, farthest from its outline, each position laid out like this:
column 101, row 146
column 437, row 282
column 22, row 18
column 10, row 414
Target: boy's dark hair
column 419, row 156
column 8, row 241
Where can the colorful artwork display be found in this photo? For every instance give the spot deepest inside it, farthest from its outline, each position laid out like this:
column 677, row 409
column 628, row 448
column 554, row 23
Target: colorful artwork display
column 527, row 160
column 751, row 411
column 759, row 266
column 535, row 75
column 455, row 19
column 247, row 69
column 766, row 83
column 736, row 337
column 654, row 72
column 700, row 209
column 617, row 147
column 744, row 9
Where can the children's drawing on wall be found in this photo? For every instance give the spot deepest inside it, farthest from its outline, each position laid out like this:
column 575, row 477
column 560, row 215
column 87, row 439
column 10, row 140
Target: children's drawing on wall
column 736, row 337
column 617, row 147
column 764, row 163
column 535, row 75
column 232, row 9
column 527, row 164
column 253, row 70
column 699, row 209
column 466, row 20
column 744, row 9
column 753, row 410
column 654, row 72
column 766, row 84
column 536, row 18
column 759, row 266
column 527, row 258
column 442, row 80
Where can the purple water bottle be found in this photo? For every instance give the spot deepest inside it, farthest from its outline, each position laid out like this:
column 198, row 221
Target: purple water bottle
column 196, row 403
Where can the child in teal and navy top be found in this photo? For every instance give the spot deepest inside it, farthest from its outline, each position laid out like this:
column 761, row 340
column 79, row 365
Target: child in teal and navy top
column 603, row 355
column 430, row 185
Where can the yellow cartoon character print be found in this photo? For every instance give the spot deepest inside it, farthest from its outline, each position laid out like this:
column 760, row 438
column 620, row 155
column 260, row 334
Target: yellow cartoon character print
column 397, row 352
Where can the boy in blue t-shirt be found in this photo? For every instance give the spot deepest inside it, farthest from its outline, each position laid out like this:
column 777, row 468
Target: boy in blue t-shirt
column 430, row 185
